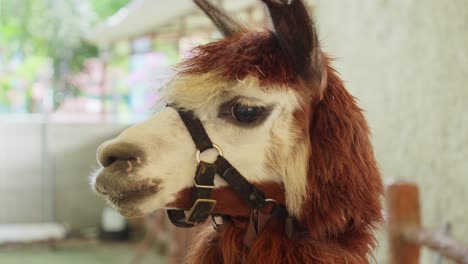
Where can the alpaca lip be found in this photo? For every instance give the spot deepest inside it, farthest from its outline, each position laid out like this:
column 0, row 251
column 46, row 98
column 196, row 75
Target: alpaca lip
column 122, row 198
column 121, row 190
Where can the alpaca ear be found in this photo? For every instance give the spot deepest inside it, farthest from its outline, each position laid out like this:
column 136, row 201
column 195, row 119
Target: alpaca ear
column 226, row 24
column 296, row 33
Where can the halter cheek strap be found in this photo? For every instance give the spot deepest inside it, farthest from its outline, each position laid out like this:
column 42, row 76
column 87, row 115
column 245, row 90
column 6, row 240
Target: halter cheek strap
column 202, row 204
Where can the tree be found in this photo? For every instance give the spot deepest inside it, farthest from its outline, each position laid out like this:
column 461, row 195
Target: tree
column 51, row 29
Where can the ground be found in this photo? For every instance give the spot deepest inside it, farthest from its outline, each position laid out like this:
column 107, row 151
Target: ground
column 92, row 253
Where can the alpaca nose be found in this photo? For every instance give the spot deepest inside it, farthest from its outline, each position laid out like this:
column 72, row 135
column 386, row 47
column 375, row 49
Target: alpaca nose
column 118, row 152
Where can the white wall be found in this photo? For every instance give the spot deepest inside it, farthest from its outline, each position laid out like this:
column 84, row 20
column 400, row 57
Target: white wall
column 21, row 177
column 407, row 63
column 26, row 174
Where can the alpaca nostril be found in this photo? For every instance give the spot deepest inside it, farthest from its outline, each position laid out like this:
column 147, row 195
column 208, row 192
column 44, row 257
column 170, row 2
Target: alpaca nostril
column 114, row 152
column 110, row 157
column 109, row 160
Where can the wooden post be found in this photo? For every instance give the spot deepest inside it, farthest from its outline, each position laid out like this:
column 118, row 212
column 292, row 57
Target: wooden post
column 403, row 214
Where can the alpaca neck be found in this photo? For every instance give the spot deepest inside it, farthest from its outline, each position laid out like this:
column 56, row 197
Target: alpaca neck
column 273, row 246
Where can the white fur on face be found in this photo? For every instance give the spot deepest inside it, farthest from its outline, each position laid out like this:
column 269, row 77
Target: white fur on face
column 170, row 151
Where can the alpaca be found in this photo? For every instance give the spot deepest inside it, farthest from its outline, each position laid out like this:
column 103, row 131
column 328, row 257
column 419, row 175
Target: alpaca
column 274, row 108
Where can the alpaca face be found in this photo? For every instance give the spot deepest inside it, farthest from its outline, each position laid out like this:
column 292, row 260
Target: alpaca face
column 147, row 165
column 253, row 92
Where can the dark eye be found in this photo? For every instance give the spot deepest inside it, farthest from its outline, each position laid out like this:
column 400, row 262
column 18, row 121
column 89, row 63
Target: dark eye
column 246, row 113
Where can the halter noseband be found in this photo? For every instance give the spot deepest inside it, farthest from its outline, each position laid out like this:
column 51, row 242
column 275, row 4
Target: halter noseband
column 202, row 203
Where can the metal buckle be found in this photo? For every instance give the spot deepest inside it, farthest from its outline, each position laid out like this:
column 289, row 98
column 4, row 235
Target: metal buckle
column 197, row 203
column 203, row 186
column 220, row 152
column 268, row 200
column 215, row 223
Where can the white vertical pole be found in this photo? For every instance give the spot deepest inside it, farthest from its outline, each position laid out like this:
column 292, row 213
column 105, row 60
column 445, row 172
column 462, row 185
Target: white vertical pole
column 48, row 176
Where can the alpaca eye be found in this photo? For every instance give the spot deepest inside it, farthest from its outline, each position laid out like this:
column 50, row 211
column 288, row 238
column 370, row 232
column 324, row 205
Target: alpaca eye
column 246, row 113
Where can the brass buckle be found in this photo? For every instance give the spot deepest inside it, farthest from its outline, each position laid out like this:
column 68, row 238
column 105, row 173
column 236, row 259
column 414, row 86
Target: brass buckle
column 203, row 186
column 197, row 203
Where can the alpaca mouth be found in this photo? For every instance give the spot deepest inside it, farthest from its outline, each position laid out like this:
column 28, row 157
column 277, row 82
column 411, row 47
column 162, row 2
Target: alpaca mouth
column 131, row 197
column 123, row 193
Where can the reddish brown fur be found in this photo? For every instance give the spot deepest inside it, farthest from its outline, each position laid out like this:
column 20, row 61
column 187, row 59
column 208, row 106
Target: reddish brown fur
column 344, row 183
column 256, row 54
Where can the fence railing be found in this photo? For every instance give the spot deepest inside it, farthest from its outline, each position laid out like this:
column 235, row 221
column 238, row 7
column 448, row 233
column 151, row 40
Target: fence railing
column 405, row 232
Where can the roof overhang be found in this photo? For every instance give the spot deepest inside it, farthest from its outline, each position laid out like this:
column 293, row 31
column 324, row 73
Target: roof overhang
column 143, row 17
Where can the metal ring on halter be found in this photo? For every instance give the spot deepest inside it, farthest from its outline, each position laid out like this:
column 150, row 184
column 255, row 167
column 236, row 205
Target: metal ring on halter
column 220, row 152
column 214, row 223
column 271, row 201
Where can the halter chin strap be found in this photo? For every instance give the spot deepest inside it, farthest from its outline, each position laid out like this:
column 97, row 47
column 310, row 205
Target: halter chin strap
column 202, row 204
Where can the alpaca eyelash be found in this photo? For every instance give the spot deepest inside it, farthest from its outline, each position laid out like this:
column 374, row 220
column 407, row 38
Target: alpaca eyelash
column 225, row 108
column 224, row 112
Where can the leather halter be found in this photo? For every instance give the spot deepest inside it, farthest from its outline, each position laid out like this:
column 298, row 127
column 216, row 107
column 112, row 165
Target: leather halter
column 203, row 205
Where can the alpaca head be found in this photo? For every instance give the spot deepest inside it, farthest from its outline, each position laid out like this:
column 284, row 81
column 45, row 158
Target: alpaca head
column 262, row 98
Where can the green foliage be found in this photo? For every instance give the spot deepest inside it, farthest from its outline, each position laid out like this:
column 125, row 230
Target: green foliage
column 51, row 28
column 106, row 8
column 4, row 87
column 170, row 49
column 30, row 67
column 36, row 32
column 83, row 52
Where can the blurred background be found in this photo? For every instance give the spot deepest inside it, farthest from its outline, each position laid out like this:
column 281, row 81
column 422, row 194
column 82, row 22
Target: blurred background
column 74, row 73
